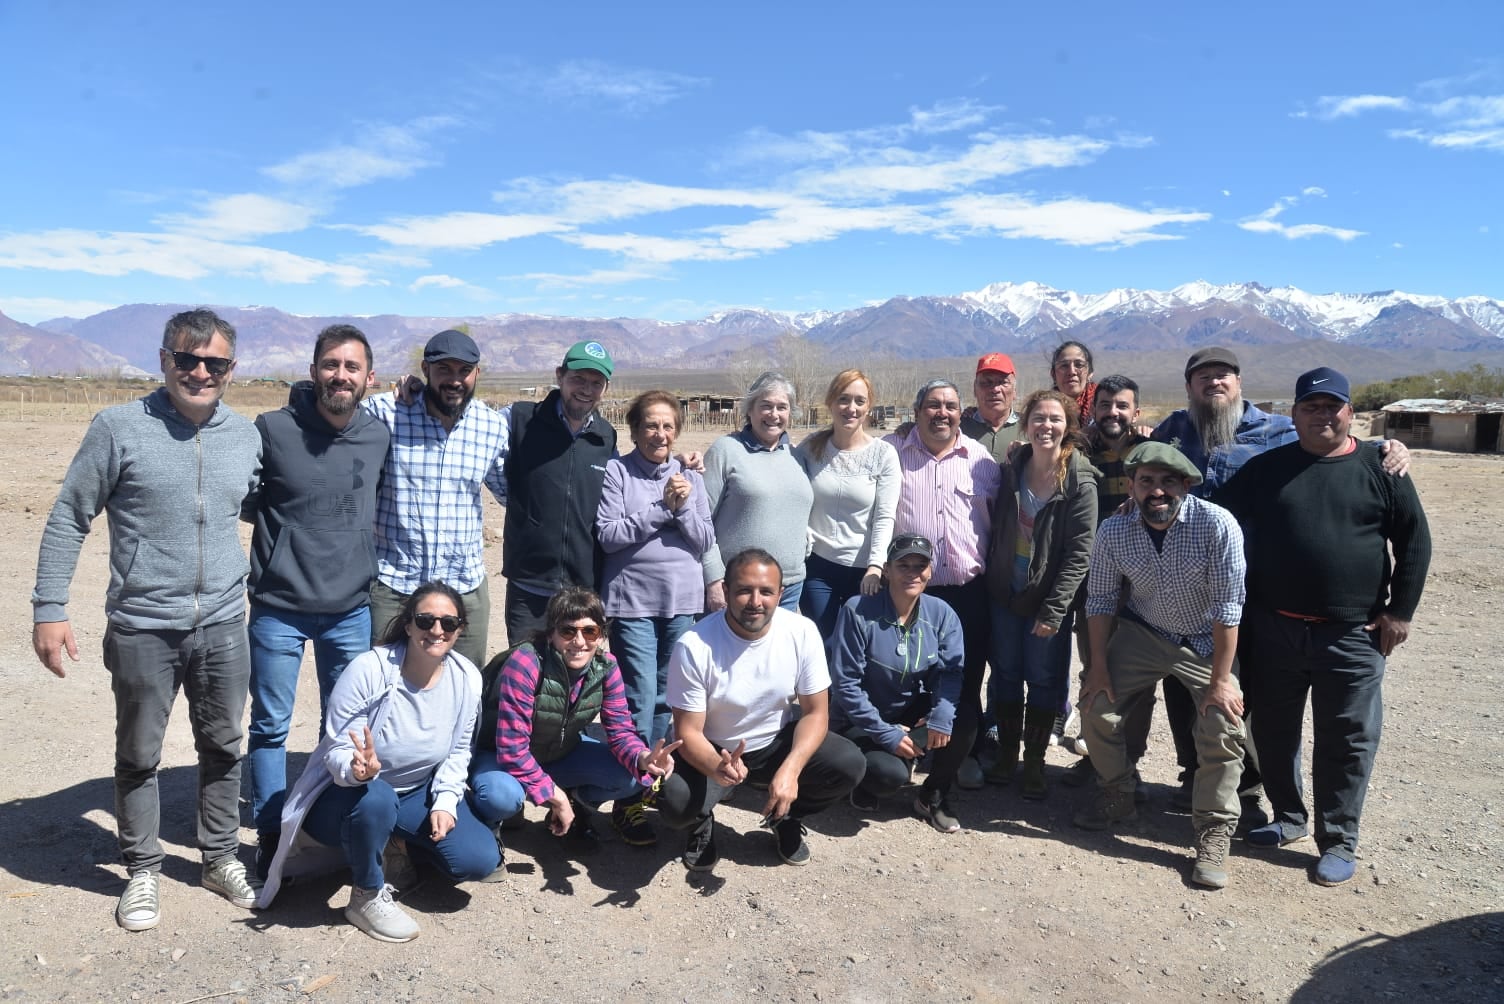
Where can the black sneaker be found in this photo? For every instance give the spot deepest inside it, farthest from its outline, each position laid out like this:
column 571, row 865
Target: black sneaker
column 700, row 854
column 266, row 849
column 1184, row 796
column 630, row 820
column 864, row 801
column 792, row 847
column 934, row 808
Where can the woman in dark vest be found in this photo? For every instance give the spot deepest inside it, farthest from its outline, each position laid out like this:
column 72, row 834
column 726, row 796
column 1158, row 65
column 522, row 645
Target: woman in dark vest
column 547, row 692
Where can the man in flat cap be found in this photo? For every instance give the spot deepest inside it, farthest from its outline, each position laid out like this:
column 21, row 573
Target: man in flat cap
column 1326, row 606
column 1182, row 559
column 429, row 517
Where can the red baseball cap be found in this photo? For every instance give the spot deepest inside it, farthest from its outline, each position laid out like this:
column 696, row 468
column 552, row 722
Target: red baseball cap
column 997, row 362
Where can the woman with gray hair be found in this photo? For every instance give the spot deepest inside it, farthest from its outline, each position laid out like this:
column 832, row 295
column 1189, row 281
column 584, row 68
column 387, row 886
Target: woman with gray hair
column 758, row 493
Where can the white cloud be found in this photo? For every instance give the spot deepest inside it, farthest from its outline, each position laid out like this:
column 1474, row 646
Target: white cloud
column 238, row 217
column 379, row 152
column 894, row 171
column 1267, row 222
column 1458, row 122
column 589, row 79
column 1346, row 107
column 596, row 277
column 458, row 231
column 599, row 201
column 175, row 256
column 656, row 250
column 34, row 309
column 1226, row 192
column 809, row 222
column 438, row 281
column 1074, row 221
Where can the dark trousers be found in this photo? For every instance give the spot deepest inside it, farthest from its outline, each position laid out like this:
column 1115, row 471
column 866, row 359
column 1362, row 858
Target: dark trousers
column 887, row 772
column 525, row 614
column 971, row 605
column 1339, row 665
column 688, row 797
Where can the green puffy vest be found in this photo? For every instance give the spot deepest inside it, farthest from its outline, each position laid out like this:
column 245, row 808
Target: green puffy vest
column 556, row 724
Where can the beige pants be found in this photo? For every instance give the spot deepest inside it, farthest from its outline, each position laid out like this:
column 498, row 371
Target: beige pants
column 1137, row 659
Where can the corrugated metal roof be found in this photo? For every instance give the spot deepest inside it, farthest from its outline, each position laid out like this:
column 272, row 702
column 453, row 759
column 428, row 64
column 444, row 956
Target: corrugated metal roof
column 1436, row 406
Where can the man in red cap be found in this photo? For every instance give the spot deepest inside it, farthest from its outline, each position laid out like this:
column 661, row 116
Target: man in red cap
column 991, row 420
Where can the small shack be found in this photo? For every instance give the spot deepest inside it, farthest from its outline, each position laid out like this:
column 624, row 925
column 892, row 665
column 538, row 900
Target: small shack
column 1475, row 426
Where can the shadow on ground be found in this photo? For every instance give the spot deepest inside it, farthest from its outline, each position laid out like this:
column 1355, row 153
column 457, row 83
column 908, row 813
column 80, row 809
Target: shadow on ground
column 1460, row 960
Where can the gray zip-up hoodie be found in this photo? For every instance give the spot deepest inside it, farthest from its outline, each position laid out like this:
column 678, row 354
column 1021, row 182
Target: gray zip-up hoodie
column 173, row 491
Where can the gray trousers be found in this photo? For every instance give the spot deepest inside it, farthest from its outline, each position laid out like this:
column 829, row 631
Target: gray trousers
column 147, row 669
column 386, row 602
column 1137, row 659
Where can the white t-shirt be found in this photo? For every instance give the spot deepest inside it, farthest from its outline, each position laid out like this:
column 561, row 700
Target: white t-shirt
column 747, row 689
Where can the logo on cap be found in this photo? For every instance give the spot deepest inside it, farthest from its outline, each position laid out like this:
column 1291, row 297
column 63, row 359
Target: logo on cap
column 595, row 350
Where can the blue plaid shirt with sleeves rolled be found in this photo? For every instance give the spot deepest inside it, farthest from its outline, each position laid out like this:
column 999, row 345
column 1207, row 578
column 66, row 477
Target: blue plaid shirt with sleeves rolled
column 1178, row 591
column 429, row 513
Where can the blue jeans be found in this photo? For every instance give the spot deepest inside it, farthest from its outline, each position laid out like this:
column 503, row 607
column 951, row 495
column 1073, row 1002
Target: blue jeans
column 1020, row 657
column 791, row 593
column 642, row 646
column 362, row 818
column 827, row 587
column 590, row 770
column 277, row 639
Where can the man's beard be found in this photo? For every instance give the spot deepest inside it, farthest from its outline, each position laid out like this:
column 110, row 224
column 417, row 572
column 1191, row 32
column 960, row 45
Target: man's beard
column 339, row 405
column 1217, row 419
column 443, row 407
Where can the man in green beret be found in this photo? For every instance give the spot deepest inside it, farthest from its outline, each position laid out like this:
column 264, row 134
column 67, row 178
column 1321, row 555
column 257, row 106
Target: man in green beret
column 1182, row 559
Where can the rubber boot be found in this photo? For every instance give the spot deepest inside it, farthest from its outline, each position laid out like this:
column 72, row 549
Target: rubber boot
column 1010, row 727
column 1037, row 725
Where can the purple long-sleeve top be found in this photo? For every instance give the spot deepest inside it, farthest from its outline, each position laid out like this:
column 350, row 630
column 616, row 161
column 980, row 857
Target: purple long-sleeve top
column 652, row 553
column 514, row 722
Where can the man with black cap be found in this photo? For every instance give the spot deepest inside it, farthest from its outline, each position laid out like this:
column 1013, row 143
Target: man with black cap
column 429, row 517
column 896, row 668
column 1182, row 559
column 1326, row 606
column 1220, row 432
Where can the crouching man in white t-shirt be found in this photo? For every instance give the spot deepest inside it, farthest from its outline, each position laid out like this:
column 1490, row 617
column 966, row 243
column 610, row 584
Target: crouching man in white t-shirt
column 750, row 693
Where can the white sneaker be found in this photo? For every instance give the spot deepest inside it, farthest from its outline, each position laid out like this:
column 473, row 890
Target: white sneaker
column 139, row 908
column 228, row 878
column 373, row 911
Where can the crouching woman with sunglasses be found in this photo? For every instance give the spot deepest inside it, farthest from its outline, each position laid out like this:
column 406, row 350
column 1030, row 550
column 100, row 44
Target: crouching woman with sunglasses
column 392, row 764
column 547, row 691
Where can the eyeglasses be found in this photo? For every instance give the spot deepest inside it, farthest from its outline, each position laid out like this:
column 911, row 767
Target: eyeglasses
column 188, row 362
column 449, row 623
column 590, row 632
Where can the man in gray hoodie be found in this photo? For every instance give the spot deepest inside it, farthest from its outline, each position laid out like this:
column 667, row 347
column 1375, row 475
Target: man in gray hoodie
column 172, row 470
column 312, row 554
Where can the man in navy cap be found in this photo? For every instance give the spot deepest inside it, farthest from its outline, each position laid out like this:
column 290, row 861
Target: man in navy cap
column 445, row 446
column 1326, row 606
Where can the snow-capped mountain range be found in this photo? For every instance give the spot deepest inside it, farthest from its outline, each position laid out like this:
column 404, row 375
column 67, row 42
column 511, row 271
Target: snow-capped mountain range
column 1004, row 316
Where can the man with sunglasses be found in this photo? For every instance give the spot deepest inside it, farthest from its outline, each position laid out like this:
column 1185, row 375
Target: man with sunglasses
column 172, row 470
column 312, row 559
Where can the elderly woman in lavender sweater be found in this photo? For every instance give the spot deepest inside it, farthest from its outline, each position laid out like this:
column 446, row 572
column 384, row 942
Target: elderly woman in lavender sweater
column 654, row 525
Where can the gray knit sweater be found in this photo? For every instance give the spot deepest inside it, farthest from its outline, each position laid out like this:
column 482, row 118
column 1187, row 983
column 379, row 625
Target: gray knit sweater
column 758, row 498
column 173, row 491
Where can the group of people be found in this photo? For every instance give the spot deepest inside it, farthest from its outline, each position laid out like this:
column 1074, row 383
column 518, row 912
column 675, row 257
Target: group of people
column 816, row 620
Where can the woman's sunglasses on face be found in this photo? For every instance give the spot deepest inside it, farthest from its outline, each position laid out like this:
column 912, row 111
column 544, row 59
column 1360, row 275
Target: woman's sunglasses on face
column 449, row 623
column 590, row 632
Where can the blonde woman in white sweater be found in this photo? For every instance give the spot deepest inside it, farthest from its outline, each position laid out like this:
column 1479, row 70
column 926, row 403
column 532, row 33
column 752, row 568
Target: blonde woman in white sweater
column 855, row 478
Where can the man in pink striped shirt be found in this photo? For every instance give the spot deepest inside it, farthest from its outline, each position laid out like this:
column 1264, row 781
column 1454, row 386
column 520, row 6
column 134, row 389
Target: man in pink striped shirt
column 949, row 484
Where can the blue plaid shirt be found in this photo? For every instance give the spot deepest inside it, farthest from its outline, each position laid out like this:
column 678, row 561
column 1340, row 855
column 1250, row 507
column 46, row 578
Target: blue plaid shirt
column 1178, row 592
column 1258, row 431
column 428, row 512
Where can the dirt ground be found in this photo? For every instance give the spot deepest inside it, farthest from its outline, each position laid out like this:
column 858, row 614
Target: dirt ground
column 1018, row 906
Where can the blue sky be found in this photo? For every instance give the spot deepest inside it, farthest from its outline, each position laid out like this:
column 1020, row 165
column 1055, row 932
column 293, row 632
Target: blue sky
column 672, row 159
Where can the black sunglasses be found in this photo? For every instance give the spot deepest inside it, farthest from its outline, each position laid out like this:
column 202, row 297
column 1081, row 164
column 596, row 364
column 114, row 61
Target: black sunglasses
column 449, row 623
column 188, row 362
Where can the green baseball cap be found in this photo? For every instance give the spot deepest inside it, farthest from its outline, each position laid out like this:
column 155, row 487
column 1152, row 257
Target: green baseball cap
column 589, row 356
column 1161, row 455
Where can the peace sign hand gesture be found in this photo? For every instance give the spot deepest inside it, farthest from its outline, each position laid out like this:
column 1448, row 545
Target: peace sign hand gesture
column 731, row 771
column 658, row 761
column 364, row 765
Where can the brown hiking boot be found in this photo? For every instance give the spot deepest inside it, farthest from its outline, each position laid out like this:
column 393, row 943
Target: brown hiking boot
column 1212, row 843
column 1110, row 807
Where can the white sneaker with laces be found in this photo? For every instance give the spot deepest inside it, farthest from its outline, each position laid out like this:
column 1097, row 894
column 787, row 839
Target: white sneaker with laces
column 374, row 912
column 139, row 908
